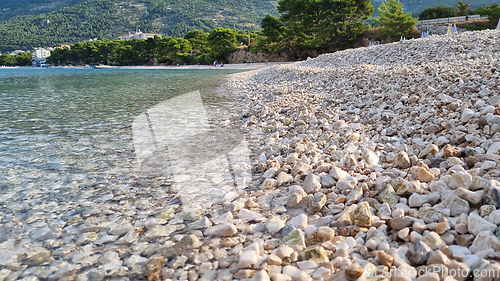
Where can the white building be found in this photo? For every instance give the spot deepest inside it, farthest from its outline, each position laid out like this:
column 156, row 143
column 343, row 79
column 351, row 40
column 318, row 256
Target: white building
column 39, row 57
column 17, row 52
column 139, row 35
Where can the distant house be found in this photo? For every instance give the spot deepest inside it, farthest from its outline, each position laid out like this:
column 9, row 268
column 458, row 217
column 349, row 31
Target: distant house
column 17, row 52
column 139, row 35
column 39, row 57
column 66, row 45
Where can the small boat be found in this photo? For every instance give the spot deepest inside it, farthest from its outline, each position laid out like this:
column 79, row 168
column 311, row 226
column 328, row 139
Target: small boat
column 102, row 66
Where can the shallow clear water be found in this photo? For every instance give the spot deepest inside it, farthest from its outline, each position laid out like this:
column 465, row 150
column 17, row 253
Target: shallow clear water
column 58, row 123
column 100, row 160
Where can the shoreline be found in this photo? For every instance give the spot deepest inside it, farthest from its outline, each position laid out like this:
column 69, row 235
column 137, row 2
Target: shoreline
column 236, row 66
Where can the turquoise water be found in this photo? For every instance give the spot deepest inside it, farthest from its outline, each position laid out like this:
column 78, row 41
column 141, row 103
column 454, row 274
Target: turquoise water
column 55, row 123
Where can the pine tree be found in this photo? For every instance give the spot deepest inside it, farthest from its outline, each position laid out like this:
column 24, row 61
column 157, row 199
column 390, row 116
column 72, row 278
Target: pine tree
column 462, row 7
column 321, row 24
column 222, row 41
column 393, row 22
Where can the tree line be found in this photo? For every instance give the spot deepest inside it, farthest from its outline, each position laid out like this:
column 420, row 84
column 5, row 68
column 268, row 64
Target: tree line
column 21, row 59
column 195, row 47
column 303, row 25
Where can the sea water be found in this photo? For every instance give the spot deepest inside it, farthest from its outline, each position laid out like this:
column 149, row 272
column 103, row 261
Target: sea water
column 68, row 154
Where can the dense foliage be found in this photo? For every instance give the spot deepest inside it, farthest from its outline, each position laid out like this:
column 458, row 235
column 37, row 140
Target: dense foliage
column 393, row 22
column 109, row 19
column 22, row 59
column 12, row 8
column 195, row 47
column 492, row 12
column 314, row 25
column 93, row 19
column 303, row 25
column 222, row 41
column 321, row 26
column 437, row 12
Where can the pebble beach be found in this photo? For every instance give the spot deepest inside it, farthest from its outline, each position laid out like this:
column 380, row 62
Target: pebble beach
column 376, row 163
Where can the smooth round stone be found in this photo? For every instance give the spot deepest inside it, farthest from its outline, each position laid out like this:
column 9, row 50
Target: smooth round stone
column 284, row 251
column 354, row 271
column 324, row 233
column 342, row 252
column 403, row 233
column 343, row 245
column 350, row 241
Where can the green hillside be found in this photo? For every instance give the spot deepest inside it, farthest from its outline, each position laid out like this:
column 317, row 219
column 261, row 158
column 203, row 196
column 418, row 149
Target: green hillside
column 109, row 19
column 92, row 19
column 11, row 8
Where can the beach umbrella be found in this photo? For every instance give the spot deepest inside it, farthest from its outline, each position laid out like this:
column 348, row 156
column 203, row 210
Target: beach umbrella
column 449, row 29
column 455, row 28
column 498, row 25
